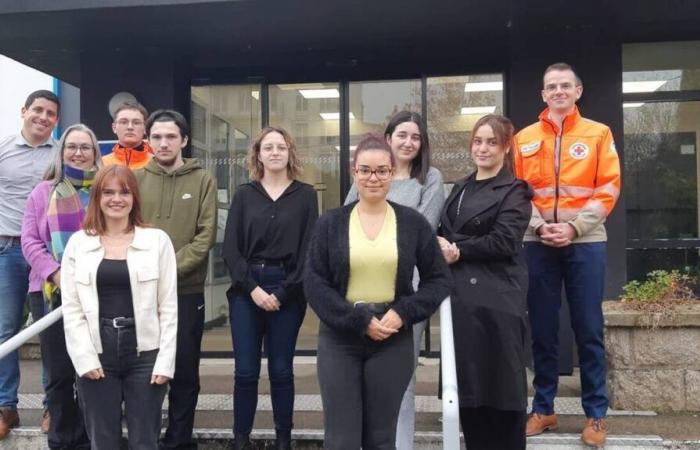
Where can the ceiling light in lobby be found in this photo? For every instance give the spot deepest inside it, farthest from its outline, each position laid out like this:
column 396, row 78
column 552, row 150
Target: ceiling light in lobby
column 478, row 110
column 319, row 93
column 629, row 87
column 335, row 116
column 483, row 86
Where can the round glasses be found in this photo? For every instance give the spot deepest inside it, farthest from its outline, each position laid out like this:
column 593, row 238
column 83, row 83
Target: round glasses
column 383, row 173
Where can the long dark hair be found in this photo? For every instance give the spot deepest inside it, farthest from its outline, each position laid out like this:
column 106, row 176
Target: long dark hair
column 421, row 164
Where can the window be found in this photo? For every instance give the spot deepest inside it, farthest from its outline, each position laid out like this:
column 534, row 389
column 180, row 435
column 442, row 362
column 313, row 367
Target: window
column 661, row 109
column 227, row 118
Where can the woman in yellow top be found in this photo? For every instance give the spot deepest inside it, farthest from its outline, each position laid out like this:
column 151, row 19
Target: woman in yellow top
column 358, row 280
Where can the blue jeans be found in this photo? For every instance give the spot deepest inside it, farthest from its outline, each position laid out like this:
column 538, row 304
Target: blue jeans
column 14, row 283
column 249, row 325
column 581, row 267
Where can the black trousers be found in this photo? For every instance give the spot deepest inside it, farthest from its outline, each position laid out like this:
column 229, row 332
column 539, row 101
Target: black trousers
column 488, row 428
column 362, row 383
column 184, row 387
column 128, row 380
column 66, row 430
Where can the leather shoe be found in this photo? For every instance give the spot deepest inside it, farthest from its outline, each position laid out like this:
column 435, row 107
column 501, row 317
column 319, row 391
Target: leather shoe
column 9, row 419
column 594, row 433
column 539, row 423
column 283, row 443
column 45, row 422
column 242, row 442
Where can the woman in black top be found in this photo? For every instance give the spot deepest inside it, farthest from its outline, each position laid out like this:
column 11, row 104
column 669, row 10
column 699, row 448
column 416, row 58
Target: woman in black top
column 267, row 231
column 482, row 228
column 367, row 305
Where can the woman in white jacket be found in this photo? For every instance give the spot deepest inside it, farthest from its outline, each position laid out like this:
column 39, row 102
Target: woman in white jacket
column 119, row 286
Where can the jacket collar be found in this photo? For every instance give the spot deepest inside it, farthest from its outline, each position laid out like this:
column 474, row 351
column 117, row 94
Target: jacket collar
column 140, row 241
column 295, row 185
column 477, row 203
column 569, row 121
column 20, row 141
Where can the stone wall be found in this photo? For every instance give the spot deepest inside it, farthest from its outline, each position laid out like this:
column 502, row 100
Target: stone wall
column 653, row 369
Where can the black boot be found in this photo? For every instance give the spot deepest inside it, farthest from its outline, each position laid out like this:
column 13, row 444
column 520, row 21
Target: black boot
column 283, row 440
column 242, row 442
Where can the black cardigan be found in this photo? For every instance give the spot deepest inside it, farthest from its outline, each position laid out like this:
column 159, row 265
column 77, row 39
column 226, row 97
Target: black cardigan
column 327, row 270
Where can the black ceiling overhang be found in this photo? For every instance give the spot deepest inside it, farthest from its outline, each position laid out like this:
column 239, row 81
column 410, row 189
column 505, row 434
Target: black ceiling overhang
column 53, row 36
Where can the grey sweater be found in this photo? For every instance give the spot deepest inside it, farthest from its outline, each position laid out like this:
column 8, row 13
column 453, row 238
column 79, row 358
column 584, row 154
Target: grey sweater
column 427, row 198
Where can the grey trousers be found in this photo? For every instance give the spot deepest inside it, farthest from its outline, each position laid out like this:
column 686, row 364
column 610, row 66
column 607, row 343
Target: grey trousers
column 362, row 382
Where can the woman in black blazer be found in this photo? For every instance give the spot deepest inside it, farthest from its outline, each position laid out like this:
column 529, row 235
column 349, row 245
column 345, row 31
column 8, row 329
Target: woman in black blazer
column 358, row 279
column 481, row 233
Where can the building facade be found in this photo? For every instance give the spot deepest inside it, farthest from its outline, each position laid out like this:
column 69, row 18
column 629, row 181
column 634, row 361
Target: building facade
column 330, row 71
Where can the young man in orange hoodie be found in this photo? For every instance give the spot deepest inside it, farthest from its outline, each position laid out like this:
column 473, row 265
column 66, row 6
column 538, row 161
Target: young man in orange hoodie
column 130, row 126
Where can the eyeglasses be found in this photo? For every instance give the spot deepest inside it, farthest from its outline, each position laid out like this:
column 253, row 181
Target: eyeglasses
column 134, row 123
column 73, row 148
column 383, row 173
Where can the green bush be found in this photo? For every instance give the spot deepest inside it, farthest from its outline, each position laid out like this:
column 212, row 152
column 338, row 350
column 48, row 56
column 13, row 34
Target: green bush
column 660, row 286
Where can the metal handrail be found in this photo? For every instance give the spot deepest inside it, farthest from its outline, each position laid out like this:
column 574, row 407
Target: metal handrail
column 32, row 330
column 450, row 399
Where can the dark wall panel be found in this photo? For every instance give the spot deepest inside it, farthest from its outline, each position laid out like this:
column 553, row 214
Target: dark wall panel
column 157, row 81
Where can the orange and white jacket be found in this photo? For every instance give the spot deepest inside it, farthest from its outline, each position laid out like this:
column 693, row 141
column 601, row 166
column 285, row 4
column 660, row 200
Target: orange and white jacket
column 575, row 173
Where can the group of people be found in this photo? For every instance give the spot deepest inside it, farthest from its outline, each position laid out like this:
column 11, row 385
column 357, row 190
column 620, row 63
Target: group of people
column 125, row 252
column 121, row 242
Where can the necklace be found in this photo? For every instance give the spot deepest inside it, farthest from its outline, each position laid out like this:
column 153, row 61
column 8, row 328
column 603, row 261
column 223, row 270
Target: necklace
column 461, row 197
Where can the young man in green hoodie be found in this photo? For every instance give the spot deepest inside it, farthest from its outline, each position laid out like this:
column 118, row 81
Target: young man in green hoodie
column 179, row 196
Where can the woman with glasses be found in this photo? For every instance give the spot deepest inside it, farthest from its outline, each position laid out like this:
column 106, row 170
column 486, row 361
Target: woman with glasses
column 119, row 293
column 359, row 281
column 416, row 184
column 482, row 228
column 55, row 210
column 267, row 232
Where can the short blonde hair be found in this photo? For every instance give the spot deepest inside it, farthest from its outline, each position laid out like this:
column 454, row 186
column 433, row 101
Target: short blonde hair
column 256, row 170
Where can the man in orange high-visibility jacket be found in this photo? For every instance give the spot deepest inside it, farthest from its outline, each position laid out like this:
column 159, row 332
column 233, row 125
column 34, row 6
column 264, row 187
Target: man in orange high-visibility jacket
column 573, row 167
column 129, row 126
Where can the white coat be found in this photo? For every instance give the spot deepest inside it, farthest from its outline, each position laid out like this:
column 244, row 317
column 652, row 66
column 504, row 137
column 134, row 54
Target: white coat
column 153, row 276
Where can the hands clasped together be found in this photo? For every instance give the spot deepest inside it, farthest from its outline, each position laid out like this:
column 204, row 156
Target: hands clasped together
column 99, row 373
column 389, row 324
column 268, row 302
column 449, row 250
column 556, row 234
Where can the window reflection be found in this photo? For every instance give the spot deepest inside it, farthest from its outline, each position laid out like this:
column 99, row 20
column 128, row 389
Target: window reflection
column 454, row 106
column 224, row 120
column 661, row 168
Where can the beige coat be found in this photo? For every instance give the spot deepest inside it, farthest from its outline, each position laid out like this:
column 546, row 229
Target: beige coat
column 153, row 276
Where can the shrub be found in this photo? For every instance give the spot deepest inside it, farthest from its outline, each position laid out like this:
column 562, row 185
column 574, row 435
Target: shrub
column 659, row 295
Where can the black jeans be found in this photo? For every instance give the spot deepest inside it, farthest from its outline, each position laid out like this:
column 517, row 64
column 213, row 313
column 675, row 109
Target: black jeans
column 184, row 387
column 66, row 430
column 127, row 378
column 362, row 383
column 487, row 428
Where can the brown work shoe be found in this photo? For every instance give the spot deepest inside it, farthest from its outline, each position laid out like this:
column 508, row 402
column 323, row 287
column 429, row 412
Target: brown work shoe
column 45, row 422
column 8, row 420
column 594, row 433
column 539, row 423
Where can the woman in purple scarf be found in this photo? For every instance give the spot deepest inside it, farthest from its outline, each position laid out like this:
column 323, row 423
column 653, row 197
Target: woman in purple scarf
column 54, row 211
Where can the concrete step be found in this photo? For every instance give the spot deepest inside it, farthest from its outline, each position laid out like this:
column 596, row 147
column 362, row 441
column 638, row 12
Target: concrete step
column 31, row 438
